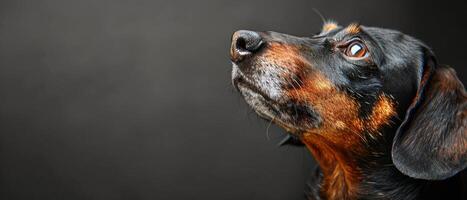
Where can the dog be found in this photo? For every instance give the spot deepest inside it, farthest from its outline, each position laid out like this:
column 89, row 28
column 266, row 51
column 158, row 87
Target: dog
column 378, row 113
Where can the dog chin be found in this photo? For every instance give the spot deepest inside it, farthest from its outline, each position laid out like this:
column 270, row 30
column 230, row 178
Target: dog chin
column 295, row 118
column 271, row 105
column 262, row 107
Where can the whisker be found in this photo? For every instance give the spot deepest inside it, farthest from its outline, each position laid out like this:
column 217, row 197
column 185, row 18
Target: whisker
column 323, row 19
column 267, row 128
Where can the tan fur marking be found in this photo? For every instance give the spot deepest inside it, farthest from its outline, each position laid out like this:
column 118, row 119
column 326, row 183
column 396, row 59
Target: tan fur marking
column 340, row 172
column 353, row 28
column 329, row 26
column 340, row 137
column 383, row 110
column 338, row 110
column 284, row 56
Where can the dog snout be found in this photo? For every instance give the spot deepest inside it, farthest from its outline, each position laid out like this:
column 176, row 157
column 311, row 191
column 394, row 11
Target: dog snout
column 244, row 44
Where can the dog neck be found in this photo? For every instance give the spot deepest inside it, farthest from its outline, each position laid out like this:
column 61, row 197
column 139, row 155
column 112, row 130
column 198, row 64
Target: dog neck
column 355, row 170
column 341, row 174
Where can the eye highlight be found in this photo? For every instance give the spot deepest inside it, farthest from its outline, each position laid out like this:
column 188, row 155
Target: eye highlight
column 356, row 49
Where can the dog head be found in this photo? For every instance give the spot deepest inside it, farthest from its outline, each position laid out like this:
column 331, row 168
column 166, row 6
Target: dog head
column 345, row 84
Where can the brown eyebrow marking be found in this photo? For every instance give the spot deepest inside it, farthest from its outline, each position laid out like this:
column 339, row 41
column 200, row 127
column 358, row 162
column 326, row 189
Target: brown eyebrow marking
column 329, row 26
column 353, row 28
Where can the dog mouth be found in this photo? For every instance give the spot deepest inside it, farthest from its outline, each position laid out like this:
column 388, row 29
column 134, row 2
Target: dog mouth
column 296, row 117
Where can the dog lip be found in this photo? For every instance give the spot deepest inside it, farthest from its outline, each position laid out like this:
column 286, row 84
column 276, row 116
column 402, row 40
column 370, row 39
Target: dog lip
column 294, row 110
column 241, row 82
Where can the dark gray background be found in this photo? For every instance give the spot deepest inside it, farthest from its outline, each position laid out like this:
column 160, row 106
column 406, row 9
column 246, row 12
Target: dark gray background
column 113, row 99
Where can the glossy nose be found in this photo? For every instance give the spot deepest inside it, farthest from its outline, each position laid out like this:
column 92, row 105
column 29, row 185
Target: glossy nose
column 244, row 43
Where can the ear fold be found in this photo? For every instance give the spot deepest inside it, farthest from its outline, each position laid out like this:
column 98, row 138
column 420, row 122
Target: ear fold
column 431, row 142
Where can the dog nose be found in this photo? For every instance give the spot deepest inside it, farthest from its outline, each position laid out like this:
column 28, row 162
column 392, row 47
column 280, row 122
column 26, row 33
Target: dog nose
column 244, row 43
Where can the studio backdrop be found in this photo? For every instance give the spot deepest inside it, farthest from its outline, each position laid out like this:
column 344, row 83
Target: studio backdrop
column 119, row 99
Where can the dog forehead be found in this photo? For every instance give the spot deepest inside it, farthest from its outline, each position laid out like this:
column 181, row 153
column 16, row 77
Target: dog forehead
column 394, row 47
column 332, row 27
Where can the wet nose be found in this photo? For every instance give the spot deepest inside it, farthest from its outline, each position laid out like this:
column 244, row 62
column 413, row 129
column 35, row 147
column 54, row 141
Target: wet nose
column 244, row 43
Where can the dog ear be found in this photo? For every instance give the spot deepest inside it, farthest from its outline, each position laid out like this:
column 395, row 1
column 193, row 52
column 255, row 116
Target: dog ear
column 431, row 142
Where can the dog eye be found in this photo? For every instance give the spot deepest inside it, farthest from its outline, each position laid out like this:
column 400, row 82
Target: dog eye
column 356, row 50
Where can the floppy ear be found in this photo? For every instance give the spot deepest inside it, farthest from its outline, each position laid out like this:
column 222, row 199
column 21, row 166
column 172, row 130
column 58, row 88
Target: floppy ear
column 431, row 142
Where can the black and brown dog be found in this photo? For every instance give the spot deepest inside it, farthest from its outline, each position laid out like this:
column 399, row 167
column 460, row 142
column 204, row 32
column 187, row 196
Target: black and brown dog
column 380, row 116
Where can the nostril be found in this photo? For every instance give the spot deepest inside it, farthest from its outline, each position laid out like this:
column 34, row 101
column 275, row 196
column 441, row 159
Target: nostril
column 244, row 43
column 253, row 44
column 241, row 44
column 248, row 41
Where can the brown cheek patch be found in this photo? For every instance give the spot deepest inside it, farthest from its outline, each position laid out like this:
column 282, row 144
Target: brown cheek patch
column 338, row 111
column 382, row 112
column 285, row 56
column 341, row 134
